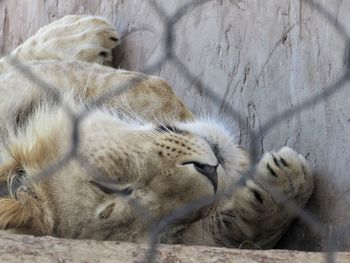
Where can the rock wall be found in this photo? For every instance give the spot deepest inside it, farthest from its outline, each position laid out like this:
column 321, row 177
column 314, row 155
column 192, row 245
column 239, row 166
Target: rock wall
column 260, row 57
column 19, row 249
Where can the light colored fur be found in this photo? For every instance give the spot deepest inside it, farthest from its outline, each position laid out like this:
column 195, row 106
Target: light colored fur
column 117, row 140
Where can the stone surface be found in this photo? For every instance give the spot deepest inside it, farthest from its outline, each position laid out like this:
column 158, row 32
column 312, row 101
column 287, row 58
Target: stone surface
column 261, row 57
column 16, row 248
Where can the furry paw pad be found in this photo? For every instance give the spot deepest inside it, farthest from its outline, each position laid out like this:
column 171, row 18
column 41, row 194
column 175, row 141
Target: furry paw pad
column 74, row 37
column 286, row 173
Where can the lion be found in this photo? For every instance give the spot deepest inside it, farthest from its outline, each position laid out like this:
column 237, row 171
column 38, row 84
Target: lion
column 93, row 152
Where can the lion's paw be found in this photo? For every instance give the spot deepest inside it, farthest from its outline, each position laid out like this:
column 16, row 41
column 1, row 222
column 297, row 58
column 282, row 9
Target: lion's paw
column 258, row 210
column 280, row 176
column 74, row 37
column 285, row 175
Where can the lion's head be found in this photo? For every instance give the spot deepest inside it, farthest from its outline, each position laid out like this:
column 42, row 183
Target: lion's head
column 111, row 178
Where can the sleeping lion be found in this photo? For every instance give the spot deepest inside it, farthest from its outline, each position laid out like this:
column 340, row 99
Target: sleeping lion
column 91, row 152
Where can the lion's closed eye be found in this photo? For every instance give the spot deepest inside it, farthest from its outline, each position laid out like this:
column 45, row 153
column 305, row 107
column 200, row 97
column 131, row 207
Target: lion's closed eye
column 108, row 187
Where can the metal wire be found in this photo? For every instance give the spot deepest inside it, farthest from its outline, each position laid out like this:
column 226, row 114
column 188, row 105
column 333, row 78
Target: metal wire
column 169, row 55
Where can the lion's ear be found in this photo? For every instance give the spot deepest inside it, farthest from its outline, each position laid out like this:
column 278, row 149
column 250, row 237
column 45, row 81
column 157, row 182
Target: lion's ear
column 4, row 171
column 24, row 212
column 19, row 206
column 13, row 214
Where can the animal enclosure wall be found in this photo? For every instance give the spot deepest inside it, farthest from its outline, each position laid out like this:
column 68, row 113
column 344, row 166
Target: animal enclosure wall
column 260, row 57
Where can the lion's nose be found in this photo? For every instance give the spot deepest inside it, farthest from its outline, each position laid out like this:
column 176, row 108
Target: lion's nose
column 209, row 171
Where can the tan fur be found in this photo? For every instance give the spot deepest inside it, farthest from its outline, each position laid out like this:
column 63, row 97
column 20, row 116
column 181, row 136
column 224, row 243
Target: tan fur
column 116, row 114
column 25, row 213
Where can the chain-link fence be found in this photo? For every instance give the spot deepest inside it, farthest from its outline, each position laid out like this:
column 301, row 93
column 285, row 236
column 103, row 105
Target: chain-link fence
column 168, row 55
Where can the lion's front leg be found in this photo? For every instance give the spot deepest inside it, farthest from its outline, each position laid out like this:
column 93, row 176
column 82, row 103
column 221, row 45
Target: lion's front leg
column 260, row 211
column 73, row 37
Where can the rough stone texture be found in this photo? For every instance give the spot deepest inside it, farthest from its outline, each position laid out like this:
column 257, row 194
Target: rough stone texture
column 261, row 57
column 16, row 248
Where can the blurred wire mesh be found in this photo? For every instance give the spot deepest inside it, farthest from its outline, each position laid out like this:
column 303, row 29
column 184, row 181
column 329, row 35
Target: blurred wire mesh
column 168, row 55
